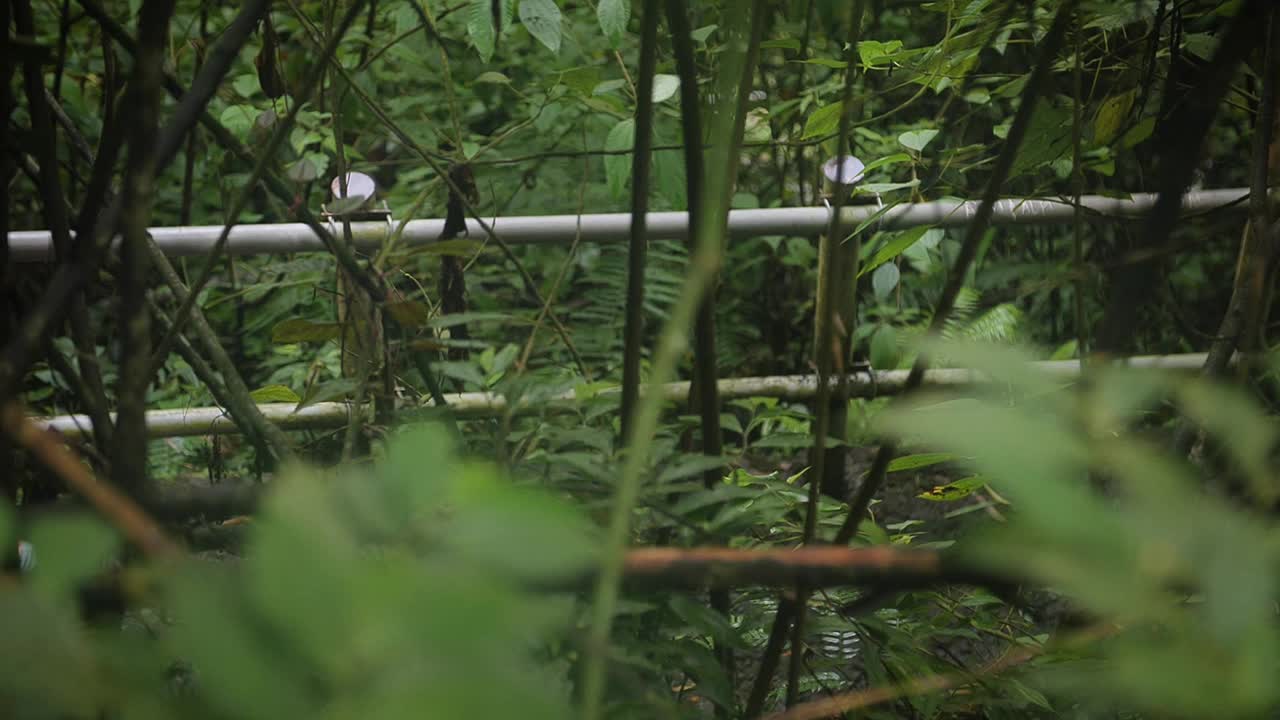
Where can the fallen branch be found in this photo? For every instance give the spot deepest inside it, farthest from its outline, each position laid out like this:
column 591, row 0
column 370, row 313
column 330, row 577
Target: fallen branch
column 814, row 566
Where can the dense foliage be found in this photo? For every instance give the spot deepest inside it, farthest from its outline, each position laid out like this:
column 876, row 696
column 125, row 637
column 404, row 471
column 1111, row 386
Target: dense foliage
column 1099, row 545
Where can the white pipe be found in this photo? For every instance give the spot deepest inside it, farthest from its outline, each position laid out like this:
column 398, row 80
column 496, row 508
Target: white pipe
column 215, row 421
column 36, row 246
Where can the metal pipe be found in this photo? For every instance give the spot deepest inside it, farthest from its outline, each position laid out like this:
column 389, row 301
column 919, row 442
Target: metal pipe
column 215, row 421
column 192, row 241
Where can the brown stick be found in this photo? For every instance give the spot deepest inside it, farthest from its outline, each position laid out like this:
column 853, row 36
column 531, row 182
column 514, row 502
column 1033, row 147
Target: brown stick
column 840, row 704
column 815, row 566
column 136, row 526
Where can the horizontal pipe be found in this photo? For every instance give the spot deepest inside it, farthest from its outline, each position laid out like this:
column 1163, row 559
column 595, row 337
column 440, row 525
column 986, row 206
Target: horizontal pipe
column 327, row 415
column 36, row 246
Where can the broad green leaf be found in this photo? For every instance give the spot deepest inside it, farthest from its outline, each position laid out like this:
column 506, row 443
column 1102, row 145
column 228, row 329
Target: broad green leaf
column 889, row 187
column 884, row 280
column 757, row 128
column 1048, row 139
column 327, row 391
column 274, row 393
column 701, row 34
column 480, row 25
column 613, row 16
column 886, row 160
column 581, row 80
column 884, row 347
column 617, row 168
column 914, row 462
column 1111, row 116
column 608, row 86
column 706, row 621
column 1139, row 132
column 69, row 548
column 49, row 667
column 246, row 85
column 237, row 119
column 296, row 330
column 917, row 139
column 542, row 19
column 664, row 86
column 893, row 248
column 822, row 121
column 302, row 171
column 465, row 371
column 408, row 313
column 872, row 53
column 492, row 77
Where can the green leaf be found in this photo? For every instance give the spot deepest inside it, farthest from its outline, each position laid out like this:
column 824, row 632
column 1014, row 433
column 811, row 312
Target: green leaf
column 884, row 346
column 467, row 372
column 701, row 34
column 917, row 139
column 886, row 160
column 237, row 119
column 757, row 128
column 957, row 490
column 274, row 393
column 1139, row 132
column 822, row 121
column 302, row 171
column 408, row 313
column 664, row 86
column 919, row 460
column 872, row 52
column 581, row 80
column 889, row 187
column 480, row 25
column 246, row 85
column 542, row 19
column 327, row 391
column 781, row 44
column 894, row 248
column 613, row 16
column 825, row 62
column 1048, row 139
column 296, row 330
column 69, row 548
column 1111, row 116
column 495, row 78
column 884, row 280
column 617, row 168
column 608, row 86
